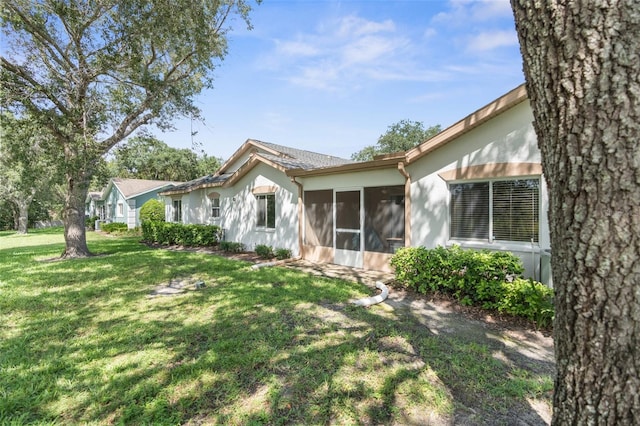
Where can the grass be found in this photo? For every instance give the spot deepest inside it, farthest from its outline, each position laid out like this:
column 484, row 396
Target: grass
column 84, row 341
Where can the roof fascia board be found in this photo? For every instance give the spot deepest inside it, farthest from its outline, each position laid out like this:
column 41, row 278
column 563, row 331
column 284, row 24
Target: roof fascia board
column 146, row 191
column 246, row 146
column 491, row 110
column 384, row 163
column 194, row 188
column 248, row 166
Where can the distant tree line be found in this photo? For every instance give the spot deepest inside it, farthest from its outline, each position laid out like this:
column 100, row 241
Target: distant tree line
column 146, row 157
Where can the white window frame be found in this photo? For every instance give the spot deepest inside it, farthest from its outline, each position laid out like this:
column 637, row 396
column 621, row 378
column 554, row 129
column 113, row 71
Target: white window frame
column 265, row 197
column 120, row 209
column 176, row 211
column 491, row 237
column 215, row 207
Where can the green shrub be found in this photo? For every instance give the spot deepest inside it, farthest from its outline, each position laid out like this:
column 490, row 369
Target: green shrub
column 168, row 233
column 113, row 227
column 528, row 299
column 264, row 251
column 283, row 253
column 231, row 247
column 152, row 210
column 482, row 278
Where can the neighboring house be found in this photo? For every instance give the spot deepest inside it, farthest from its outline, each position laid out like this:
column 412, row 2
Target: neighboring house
column 121, row 199
column 250, row 197
column 93, row 205
column 478, row 184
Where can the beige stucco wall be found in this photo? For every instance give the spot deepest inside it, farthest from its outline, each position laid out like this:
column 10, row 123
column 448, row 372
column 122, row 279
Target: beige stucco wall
column 238, row 210
column 507, row 138
column 384, row 177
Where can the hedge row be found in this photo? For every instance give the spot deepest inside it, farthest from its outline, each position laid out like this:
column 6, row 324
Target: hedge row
column 167, row 233
column 113, row 227
column 484, row 278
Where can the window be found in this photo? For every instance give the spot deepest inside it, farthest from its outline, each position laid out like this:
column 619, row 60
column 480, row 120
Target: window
column 215, row 207
column 266, row 211
column 177, row 210
column 120, row 209
column 505, row 210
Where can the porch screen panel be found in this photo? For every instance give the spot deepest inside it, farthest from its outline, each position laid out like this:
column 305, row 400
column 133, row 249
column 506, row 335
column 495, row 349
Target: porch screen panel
column 348, row 210
column 469, row 210
column 516, row 207
column 318, row 208
column 384, row 218
column 348, row 220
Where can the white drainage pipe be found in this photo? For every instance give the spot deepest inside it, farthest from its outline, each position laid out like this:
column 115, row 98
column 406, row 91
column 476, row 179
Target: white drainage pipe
column 368, row 301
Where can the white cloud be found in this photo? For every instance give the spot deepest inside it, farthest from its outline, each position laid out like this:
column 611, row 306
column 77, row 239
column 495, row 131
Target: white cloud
column 463, row 12
column 492, row 40
column 350, row 26
column 296, row 48
column 339, row 52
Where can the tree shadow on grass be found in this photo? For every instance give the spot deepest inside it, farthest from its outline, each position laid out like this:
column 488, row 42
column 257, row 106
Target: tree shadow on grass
column 253, row 347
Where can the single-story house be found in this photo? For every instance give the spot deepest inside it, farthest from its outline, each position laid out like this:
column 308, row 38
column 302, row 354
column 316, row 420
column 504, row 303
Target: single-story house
column 121, row 199
column 477, row 184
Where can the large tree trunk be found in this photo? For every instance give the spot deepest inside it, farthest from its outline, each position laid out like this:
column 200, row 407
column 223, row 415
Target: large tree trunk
column 582, row 67
column 23, row 214
column 73, row 215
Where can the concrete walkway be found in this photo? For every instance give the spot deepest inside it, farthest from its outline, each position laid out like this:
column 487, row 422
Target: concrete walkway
column 343, row 272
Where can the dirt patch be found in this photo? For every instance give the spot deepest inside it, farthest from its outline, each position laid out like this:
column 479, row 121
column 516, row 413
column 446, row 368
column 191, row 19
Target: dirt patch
column 513, row 341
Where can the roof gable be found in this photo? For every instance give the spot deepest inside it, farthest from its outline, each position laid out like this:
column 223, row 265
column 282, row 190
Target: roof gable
column 288, row 157
column 130, row 188
column 484, row 114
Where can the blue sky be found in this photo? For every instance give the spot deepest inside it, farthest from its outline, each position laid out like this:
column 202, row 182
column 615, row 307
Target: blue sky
column 332, row 76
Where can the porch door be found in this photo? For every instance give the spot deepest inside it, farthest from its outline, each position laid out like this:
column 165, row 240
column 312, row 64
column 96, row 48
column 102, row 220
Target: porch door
column 348, row 228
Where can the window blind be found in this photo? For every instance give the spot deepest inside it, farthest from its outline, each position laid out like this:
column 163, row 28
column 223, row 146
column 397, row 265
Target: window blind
column 516, row 206
column 470, row 210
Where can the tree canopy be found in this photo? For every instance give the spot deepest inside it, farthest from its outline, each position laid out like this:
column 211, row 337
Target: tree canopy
column 145, row 157
column 25, row 169
column 92, row 72
column 400, row 136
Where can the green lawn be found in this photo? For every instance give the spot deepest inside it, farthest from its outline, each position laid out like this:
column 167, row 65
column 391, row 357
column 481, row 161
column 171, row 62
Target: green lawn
column 84, row 341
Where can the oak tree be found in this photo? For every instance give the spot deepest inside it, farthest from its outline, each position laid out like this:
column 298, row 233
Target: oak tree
column 25, row 169
column 92, row 72
column 582, row 69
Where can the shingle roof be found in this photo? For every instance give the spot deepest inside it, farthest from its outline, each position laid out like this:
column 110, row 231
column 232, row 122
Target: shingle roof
column 299, row 158
column 132, row 187
column 199, row 182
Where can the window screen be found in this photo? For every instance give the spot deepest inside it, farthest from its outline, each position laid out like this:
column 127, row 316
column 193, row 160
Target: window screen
column 384, row 218
column 318, row 210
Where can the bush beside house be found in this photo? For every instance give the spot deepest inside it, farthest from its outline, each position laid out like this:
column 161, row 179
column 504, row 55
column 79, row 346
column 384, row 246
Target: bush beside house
column 484, row 278
column 152, row 210
column 167, row 233
column 113, row 227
